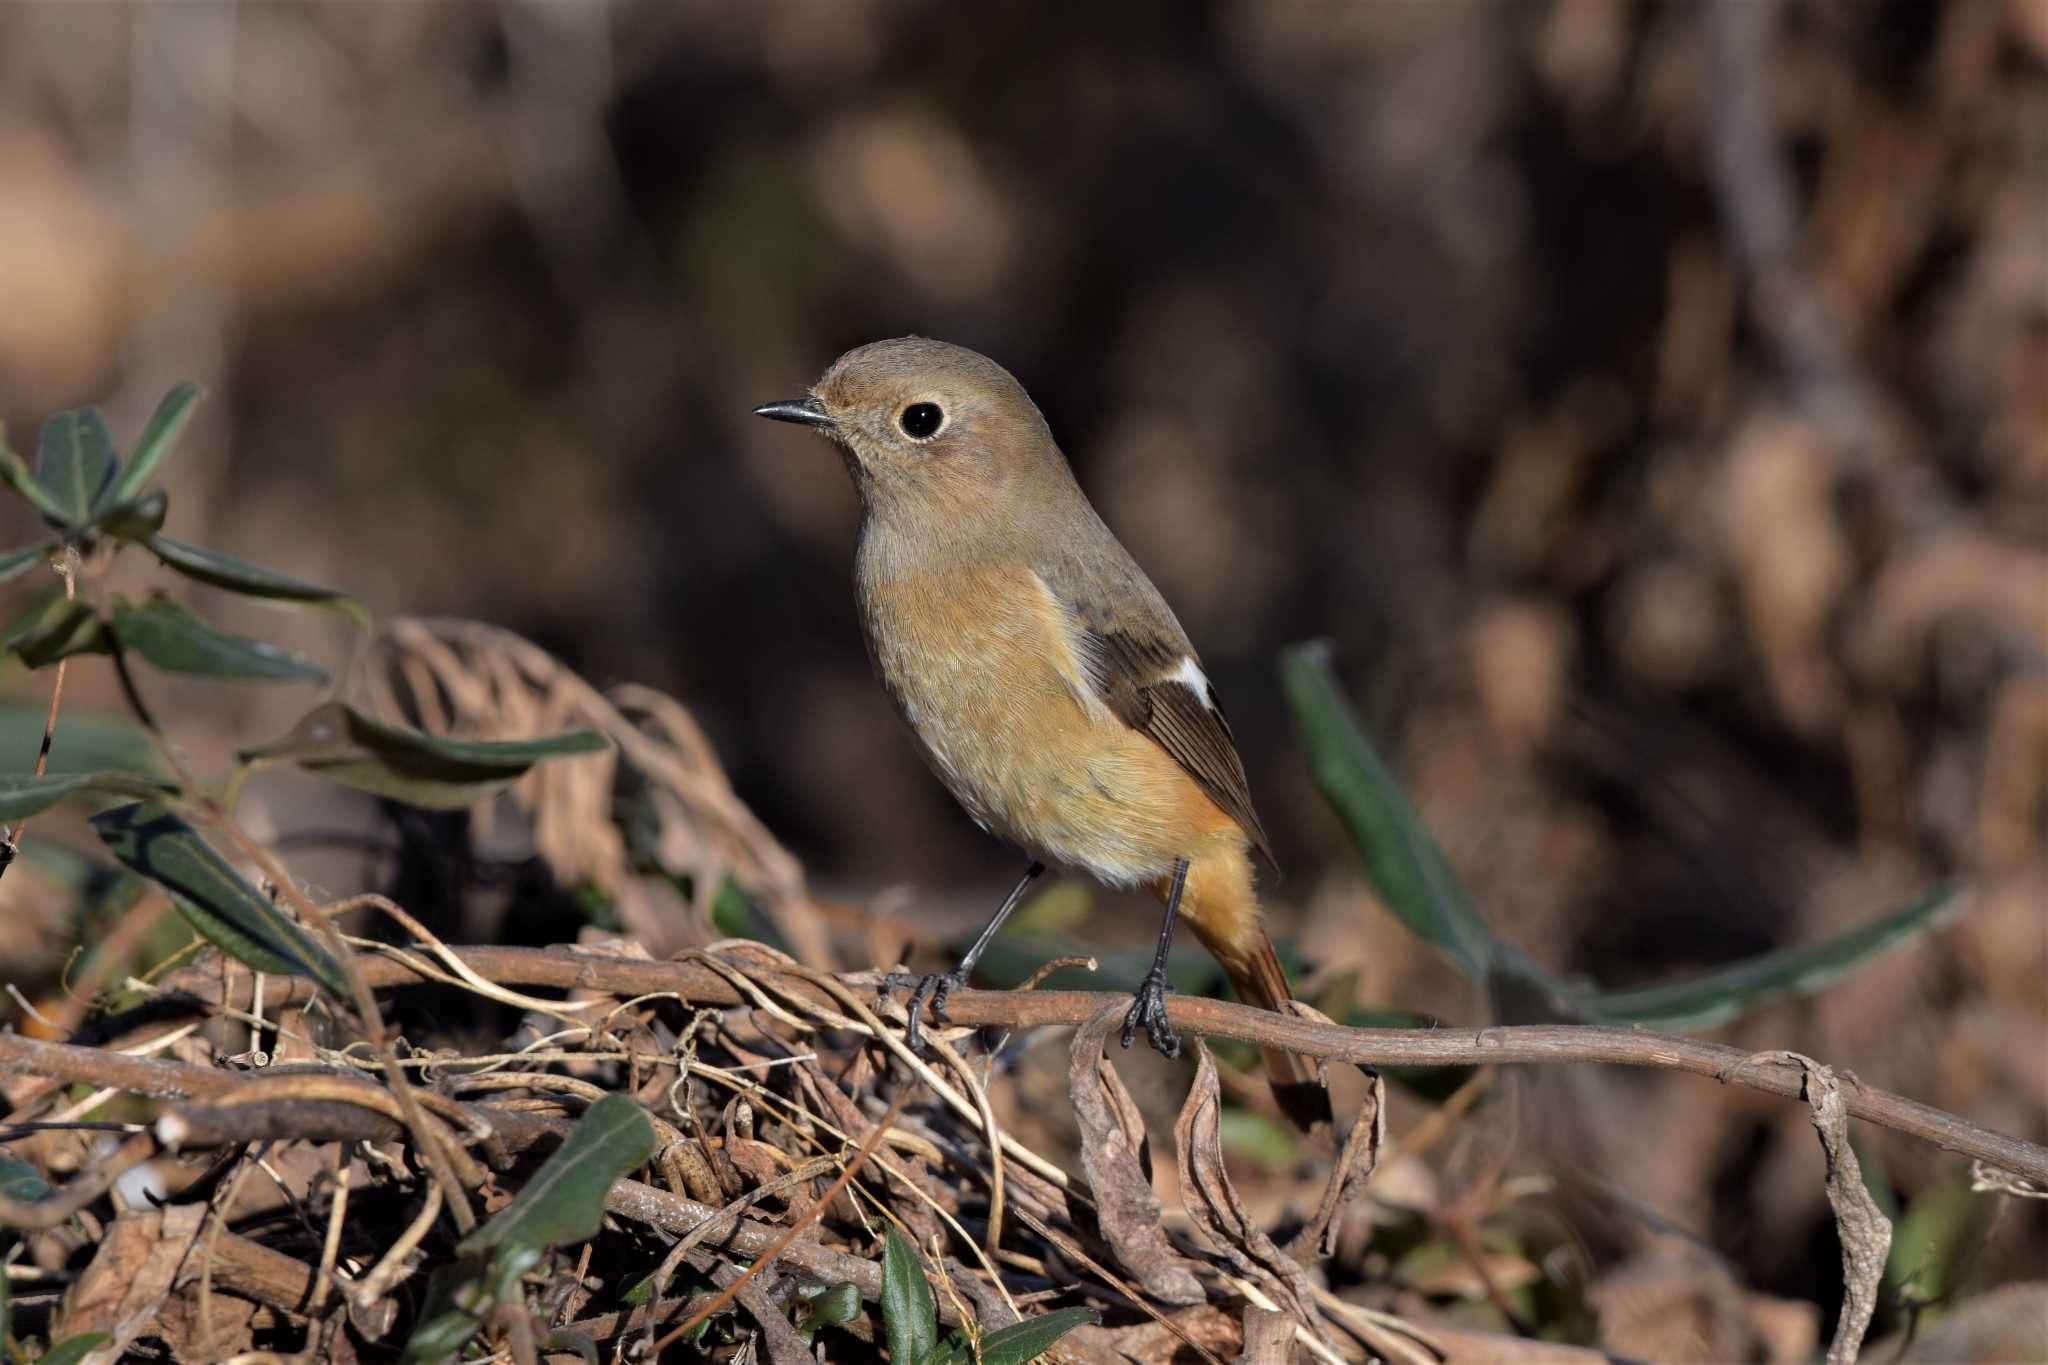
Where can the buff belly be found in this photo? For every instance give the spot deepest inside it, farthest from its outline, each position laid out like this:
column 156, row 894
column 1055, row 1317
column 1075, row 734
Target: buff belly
column 982, row 668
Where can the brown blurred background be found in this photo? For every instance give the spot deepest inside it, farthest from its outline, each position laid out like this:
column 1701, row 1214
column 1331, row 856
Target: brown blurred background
column 1651, row 402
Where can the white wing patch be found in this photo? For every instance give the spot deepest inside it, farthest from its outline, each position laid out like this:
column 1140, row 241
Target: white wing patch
column 1191, row 676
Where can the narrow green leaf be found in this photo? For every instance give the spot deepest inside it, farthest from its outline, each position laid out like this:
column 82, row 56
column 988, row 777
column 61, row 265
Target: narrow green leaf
column 175, row 640
column 76, row 462
column 1938, row 1244
column 86, row 741
column 212, row 896
column 340, row 743
column 136, row 520
column 23, row 795
column 158, row 437
column 564, row 1200
column 209, row 566
column 910, row 1319
column 735, row 915
column 1402, row 860
column 15, row 563
column 14, row 471
column 71, row 1350
column 1027, row 1340
column 58, row 629
column 1804, row 969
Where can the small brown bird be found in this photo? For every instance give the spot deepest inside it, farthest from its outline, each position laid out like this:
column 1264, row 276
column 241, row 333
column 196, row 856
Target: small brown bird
column 1046, row 680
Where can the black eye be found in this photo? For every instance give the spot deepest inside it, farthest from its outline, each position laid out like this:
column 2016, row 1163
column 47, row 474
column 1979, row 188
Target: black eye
column 920, row 420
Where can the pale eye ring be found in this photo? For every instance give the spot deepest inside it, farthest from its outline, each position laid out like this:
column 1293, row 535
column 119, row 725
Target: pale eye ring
column 920, row 420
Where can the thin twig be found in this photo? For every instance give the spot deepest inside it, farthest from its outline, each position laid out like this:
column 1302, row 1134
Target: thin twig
column 90, row 1184
column 805, row 1219
column 10, row 843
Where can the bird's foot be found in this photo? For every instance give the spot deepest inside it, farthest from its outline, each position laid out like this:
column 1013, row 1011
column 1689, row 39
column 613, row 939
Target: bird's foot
column 1148, row 1011
column 931, row 990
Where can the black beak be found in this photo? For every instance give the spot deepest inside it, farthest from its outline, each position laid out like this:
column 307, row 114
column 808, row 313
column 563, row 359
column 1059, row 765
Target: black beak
column 807, row 411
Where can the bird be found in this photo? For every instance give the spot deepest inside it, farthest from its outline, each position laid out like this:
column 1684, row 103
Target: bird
column 1044, row 678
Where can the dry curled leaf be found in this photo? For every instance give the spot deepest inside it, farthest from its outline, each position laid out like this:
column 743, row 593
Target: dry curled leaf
column 1212, row 1201
column 470, row 680
column 1356, row 1163
column 1865, row 1232
column 1118, row 1167
column 130, row 1275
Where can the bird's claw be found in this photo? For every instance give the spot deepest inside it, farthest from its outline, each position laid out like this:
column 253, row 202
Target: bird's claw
column 1148, row 1011
column 929, row 990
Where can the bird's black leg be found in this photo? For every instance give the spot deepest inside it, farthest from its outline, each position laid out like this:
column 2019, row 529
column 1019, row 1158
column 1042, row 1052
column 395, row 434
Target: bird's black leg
column 1149, row 1009
column 936, row 987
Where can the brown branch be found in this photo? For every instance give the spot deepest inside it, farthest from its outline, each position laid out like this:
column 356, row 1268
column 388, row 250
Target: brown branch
column 88, row 1185
column 1525, row 1045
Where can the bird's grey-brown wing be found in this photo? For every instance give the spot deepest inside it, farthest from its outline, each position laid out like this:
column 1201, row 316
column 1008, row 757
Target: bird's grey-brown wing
column 1142, row 667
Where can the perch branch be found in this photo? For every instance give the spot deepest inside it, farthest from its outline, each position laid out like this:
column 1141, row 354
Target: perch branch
column 1527, row 1045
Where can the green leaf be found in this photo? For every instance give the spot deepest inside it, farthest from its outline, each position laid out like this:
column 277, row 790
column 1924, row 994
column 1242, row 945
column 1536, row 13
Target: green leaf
column 15, row 473
column 176, row 641
column 76, row 462
column 1402, row 860
column 910, row 1319
column 735, row 915
column 453, row 1312
column 564, row 1201
column 1937, row 1246
column 158, row 437
column 21, row 1181
column 1027, row 1340
column 23, row 795
column 212, row 896
column 1269, row 1142
column 15, row 563
column 343, row 745
column 73, row 1349
column 56, row 629
column 1804, row 969
column 830, row 1307
column 138, row 520
column 86, row 741
column 209, row 566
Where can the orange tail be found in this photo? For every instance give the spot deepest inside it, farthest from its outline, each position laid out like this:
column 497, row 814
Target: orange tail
column 1220, row 907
